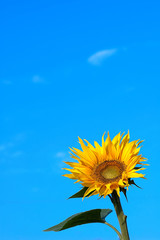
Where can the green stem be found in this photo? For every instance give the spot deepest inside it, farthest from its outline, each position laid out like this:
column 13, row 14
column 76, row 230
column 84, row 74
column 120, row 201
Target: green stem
column 118, row 233
column 120, row 214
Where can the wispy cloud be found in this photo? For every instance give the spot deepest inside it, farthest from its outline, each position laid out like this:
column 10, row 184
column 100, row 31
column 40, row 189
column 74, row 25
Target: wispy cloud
column 10, row 149
column 99, row 57
column 58, row 163
column 60, row 154
column 37, row 79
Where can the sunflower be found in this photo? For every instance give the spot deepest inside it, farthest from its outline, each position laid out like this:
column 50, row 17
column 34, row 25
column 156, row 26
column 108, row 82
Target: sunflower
column 103, row 169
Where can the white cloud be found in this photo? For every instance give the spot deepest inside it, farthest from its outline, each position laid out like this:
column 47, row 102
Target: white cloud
column 37, row 79
column 99, row 57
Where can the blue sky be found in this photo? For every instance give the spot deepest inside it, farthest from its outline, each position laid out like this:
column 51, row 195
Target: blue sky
column 69, row 69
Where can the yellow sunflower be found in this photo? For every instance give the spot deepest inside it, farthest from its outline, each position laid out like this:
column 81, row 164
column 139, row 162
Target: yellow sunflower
column 103, row 169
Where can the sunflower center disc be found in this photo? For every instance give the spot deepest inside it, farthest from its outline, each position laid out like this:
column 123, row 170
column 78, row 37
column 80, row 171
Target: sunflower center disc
column 111, row 172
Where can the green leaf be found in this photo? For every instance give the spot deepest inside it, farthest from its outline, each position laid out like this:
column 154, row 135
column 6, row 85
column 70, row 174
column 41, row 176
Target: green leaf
column 92, row 216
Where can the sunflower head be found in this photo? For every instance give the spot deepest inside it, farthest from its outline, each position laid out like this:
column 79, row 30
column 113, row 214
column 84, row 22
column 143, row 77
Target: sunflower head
column 103, row 169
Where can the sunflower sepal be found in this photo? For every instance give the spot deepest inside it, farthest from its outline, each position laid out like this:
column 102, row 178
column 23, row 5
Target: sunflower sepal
column 80, row 193
column 124, row 191
column 91, row 216
column 137, row 168
column 132, row 182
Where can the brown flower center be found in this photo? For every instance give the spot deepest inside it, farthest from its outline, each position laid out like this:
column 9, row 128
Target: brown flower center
column 109, row 171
